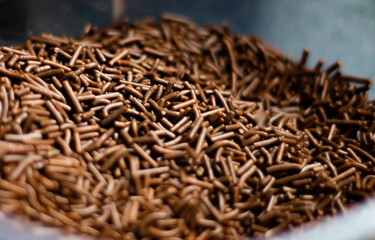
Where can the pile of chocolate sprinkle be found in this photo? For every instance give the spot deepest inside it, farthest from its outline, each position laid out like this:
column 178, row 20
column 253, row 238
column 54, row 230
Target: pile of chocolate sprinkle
column 165, row 130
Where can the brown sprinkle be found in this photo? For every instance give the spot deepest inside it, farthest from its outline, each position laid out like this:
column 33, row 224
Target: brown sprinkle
column 168, row 130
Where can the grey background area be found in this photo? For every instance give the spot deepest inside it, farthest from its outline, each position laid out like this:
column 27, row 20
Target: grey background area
column 333, row 30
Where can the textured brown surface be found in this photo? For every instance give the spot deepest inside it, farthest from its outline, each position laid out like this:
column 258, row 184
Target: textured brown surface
column 170, row 130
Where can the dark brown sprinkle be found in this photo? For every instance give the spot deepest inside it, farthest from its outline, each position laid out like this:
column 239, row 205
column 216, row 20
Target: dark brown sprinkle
column 305, row 54
column 148, row 130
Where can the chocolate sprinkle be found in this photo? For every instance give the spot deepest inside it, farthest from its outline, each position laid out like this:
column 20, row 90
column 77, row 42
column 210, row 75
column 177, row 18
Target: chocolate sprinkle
column 167, row 130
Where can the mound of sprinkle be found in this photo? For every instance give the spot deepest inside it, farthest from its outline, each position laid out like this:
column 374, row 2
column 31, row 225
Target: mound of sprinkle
column 168, row 130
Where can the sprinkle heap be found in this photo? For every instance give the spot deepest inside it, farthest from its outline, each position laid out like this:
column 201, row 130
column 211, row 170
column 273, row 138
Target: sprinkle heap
column 165, row 130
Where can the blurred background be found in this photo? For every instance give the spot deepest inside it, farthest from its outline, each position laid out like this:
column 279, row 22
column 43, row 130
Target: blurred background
column 333, row 30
